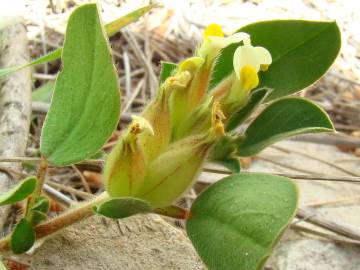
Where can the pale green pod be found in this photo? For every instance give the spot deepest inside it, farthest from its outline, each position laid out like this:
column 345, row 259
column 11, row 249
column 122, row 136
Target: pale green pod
column 174, row 171
column 125, row 166
column 197, row 122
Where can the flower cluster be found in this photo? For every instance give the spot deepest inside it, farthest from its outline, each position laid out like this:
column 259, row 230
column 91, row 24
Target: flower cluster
column 162, row 151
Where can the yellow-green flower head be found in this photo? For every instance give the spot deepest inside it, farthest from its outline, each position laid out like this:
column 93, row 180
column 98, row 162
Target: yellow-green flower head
column 214, row 42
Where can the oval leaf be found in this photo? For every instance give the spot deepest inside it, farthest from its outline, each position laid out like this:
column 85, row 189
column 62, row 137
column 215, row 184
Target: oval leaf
column 257, row 97
column 19, row 192
column 302, row 52
column 23, row 237
column 236, row 222
column 86, row 102
column 281, row 119
column 123, row 207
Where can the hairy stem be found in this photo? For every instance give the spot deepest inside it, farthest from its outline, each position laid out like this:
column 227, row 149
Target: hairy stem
column 84, row 211
column 54, row 225
column 173, row 212
column 41, row 174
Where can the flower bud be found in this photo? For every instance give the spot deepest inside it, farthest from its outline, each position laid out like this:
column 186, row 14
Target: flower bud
column 125, row 166
column 234, row 91
column 157, row 113
column 209, row 50
column 201, row 119
column 239, row 94
column 173, row 172
column 182, row 101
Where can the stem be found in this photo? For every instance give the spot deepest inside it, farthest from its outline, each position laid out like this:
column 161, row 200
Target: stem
column 81, row 212
column 39, row 185
column 54, row 225
column 84, row 211
column 174, row 212
column 41, row 176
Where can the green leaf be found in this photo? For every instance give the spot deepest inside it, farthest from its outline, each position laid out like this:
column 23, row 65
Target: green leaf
column 114, row 26
column 236, row 222
column 99, row 155
column 86, row 102
column 230, row 163
column 37, row 217
column 42, row 59
column 123, row 207
column 257, row 97
column 19, row 192
column 223, row 153
column 302, row 52
column 225, row 147
column 281, row 119
column 44, row 92
column 111, row 28
column 224, row 65
column 166, row 70
column 42, row 204
column 23, row 237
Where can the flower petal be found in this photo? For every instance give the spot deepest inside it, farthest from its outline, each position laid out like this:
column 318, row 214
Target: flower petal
column 237, row 37
column 245, row 56
column 263, row 56
column 143, row 124
column 220, row 42
column 248, row 78
column 213, row 30
column 191, row 64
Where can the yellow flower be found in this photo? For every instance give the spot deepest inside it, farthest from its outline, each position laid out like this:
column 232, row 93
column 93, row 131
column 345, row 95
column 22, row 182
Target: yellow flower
column 248, row 60
column 213, row 30
column 214, row 42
